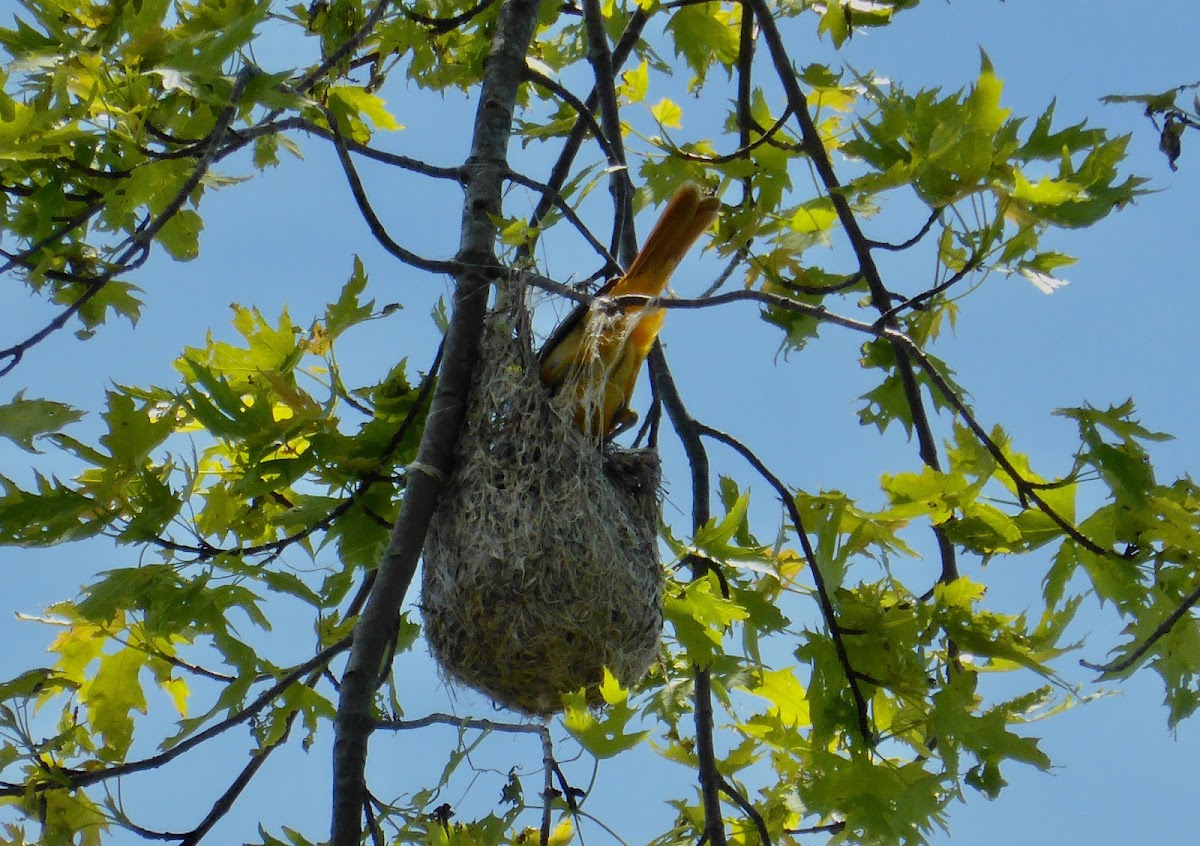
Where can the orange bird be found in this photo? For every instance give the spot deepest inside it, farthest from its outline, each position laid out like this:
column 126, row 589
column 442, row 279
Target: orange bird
column 593, row 358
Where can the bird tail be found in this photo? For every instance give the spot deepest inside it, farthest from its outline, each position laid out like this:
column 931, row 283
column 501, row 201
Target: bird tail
column 682, row 222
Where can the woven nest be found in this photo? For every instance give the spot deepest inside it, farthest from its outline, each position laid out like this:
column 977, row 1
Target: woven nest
column 541, row 564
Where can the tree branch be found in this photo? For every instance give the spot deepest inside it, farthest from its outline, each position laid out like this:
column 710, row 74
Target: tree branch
column 570, row 149
column 344, row 49
column 934, row 214
column 615, row 158
column 888, row 317
column 568, row 213
column 1163, row 628
column 689, row 429
column 624, row 242
column 881, row 299
column 444, row 25
column 742, row 802
column 372, row 220
column 454, row 174
column 75, row 779
column 485, row 171
column 823, row 596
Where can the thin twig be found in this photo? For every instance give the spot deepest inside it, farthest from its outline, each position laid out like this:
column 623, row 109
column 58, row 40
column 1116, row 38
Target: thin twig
column 830, row 828
column 824, row 599
column 461, row 723
column 568, row 213
column 934, row 214
column 443, row 25
column 548, row 762
column 75, row 779
column 887, row 318
column 372, row 220
column 1159, row 632
column 561, row 169
column 749, row 809
column 624, row 242
column 744, row 150
column 225, row 801
column 736, row 259
column 343, row 50
column 453, row 174
column 549, row 769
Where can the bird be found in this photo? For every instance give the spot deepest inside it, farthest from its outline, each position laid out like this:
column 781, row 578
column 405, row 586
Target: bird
column 592, row 359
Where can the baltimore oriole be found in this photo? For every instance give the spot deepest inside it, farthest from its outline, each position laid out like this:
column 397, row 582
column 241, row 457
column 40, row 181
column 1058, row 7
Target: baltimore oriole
column 594, row 356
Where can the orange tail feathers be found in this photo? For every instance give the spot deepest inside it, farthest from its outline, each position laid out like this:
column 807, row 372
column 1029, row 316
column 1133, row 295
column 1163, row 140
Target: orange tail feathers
column 596, row 356
column 681, row 223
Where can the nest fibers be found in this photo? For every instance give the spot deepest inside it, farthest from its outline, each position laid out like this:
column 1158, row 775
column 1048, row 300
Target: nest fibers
column 541, row 564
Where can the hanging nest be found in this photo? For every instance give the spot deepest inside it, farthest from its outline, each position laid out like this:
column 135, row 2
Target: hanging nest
column 541, row 563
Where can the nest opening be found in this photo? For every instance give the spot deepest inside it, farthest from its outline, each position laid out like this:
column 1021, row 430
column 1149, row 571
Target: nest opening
column 541, row 565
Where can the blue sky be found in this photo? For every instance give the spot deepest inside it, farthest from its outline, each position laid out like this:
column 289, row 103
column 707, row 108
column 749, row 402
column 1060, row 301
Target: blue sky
column 1123, row 327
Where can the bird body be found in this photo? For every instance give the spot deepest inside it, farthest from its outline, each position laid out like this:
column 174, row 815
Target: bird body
column 593, row 358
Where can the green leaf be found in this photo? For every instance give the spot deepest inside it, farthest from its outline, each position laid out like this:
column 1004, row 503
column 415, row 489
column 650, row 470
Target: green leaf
column 118, row 297
column 348, row 311
column 835, row 21
column 814, row 216
column 180, row 236
column 111, row 696
column 23, row 420
column 704, row 33
column 605, row 734
column 667, row 113
column 700, row 617
column 786, row 694
column 1047, row 191
column 133, row 430
column 351, row 104
column 33, row 684
column 55, row 514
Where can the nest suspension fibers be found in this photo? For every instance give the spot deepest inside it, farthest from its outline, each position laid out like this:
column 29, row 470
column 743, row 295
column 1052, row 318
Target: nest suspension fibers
column 541, row 565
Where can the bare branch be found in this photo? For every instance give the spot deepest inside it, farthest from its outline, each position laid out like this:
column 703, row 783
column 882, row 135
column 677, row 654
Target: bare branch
column 444, row 25
column 344, row 49
column 454, row 174
column 744, row 150
column 749, row 809
column 462, row 723
column 934, row 214
column 372, row 220
column 570, row 149
column 568, row 213
column 831, row 828
column 225, row 801
column 723, row 277
column 972, row 264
